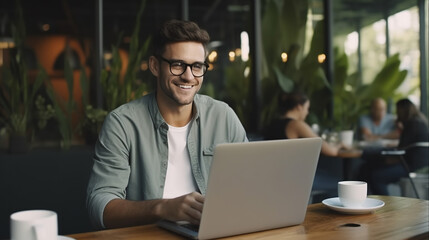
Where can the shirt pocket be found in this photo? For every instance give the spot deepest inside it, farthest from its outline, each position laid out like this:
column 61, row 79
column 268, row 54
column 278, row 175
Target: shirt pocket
column 209, row 151
column 207, row 160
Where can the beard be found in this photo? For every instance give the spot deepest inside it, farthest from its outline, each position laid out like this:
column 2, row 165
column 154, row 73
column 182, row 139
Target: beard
column 178, row 95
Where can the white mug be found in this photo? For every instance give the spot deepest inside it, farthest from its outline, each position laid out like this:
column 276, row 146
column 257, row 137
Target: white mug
column 34, row 225
column 346, row 137
column 352, row 193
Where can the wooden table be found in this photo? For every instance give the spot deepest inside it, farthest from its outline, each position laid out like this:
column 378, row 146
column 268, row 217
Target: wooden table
column 400, row 218
column 347, row 155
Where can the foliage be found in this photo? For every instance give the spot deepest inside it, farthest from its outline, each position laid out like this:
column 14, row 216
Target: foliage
column 283, row 27
column 92, row 122
column 237, row 89
column 44, row 112
column 283, row 30
column 18, row 91
column 352, row 98
column 65, row 109
column 118, row 91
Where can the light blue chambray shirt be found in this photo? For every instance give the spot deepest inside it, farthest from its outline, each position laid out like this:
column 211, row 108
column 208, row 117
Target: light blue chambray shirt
column 131, row 154
column 387, row 124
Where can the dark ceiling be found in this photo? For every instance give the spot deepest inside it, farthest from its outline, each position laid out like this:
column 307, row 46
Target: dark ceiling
column 77, row 17
column 219, row 17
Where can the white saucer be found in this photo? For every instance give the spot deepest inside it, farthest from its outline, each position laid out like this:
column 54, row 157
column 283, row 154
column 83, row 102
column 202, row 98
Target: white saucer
column 369, row 206
column 64, row 238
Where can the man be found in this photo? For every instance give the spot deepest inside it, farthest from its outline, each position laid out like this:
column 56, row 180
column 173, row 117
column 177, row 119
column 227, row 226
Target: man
column 153, row 155
column 415, row 130
column 378, row 124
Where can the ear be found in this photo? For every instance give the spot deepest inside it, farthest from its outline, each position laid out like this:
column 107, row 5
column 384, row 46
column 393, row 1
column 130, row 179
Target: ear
column 154, row 65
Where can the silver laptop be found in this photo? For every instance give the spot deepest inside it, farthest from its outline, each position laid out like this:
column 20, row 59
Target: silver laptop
column 255, row 186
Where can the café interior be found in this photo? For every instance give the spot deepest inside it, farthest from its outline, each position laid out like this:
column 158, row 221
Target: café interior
column 67, row 64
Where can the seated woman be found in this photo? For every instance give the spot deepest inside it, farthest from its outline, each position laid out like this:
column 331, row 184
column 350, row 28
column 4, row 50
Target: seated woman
column 414, row 129
column 294, row 108
column 291, row 124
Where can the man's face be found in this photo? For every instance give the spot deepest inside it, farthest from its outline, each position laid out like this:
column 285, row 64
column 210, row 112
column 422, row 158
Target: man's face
column 179, row 90
column 378, row 110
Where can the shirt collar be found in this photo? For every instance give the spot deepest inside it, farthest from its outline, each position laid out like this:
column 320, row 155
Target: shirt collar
column 156, row 116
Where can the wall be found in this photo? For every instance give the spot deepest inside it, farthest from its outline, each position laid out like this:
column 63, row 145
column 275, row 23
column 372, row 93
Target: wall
column 46, row 178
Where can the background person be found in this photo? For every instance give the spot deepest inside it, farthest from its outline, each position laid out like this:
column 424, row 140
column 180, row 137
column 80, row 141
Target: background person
column 414, row 129
column 153, row 155
column 294, row 108
column 378, row 124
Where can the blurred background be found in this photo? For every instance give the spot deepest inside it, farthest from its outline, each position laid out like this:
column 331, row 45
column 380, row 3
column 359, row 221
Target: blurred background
column 65, row 64
column 334, row 50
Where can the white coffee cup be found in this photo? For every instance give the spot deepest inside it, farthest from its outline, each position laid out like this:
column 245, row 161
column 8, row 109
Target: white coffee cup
column 346, row 137
column 34, row 225
column 352, row 194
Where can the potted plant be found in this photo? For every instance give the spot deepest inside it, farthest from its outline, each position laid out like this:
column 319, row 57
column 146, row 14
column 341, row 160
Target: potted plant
column 91, row 123
column 18, row 91
column 352, row 98
column 65, row 109
column 118, row 89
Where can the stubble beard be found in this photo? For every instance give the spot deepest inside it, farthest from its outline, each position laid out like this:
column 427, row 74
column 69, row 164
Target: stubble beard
column 171, row 94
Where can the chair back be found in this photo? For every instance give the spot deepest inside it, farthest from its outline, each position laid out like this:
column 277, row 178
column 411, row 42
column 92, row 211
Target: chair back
column 417, row 155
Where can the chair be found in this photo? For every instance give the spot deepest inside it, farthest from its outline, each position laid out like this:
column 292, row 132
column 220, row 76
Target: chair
column 401, row 153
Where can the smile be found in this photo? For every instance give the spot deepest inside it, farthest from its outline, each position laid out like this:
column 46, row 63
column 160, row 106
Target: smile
column 186, row 86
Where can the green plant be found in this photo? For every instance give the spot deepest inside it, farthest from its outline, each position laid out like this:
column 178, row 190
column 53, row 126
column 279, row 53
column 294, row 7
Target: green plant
column 283, row 30
column 65, row 109
column 352, row 98
column 18, row 91
column 93, row 118
column 44, row 112
column 118, row 91
column 237, row 90
column 91, row 123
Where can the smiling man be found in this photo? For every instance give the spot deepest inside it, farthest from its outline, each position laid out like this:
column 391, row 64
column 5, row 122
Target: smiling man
column 153, row 155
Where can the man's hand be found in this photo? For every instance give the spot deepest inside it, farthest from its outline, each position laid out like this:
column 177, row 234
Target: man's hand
column 185, row 208
column 124, row 213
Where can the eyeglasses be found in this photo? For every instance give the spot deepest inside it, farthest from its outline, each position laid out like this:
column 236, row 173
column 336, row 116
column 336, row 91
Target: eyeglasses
column 177, row 68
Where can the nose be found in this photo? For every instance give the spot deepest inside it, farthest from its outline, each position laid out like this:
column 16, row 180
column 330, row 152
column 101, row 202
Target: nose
column 188, row 73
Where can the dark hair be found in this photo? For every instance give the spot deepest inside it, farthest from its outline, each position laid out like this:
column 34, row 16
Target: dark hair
column 289, row 101
column 406, row 110
column 179, row 31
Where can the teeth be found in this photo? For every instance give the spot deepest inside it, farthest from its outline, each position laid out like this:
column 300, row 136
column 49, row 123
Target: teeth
column 185, row 86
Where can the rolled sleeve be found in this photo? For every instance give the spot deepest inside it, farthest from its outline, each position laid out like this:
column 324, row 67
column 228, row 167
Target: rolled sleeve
column 110, row 172
column 97, row 203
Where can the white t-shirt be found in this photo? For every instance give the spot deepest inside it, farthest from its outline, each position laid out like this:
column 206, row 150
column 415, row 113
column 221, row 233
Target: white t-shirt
column 179, row 180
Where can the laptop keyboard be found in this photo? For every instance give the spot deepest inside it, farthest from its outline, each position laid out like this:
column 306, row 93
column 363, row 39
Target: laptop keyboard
column 192, row 227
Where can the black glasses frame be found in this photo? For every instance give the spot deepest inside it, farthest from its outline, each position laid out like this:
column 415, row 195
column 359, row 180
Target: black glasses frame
column 186, row 66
